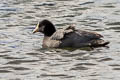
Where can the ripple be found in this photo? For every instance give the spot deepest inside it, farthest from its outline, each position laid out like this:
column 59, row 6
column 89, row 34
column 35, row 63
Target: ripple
column 83, row 58
column 73, row 54
column 28, row 17
column 54, row 75
column 20, row 68
column 33, row 53
column 8, row 14
column 46, row 4
column 69, row 15
column 12, row 25
column 85, row 3
column 15, row 68
column 116, row 68
column 105, row 59
column 21, row 61
column 79, row 68
column 89, row 64
column 114, row 65
column 114, row 23
column 3, row 55
column 114, row 28
column 108, row 6
column 8, row 9
column 5, row 71
column 30, row 11
column 8, row 57
column 77, row 9
column 98, row 30
column 5, row 51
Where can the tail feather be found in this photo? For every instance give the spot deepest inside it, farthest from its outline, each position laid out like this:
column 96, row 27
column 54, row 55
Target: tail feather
column 99, row 42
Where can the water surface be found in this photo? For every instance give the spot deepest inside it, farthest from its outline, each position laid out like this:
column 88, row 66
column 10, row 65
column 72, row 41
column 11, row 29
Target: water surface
column 21, row 56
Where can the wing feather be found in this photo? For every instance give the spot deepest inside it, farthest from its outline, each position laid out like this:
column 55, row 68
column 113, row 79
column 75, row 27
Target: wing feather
column 59, row 34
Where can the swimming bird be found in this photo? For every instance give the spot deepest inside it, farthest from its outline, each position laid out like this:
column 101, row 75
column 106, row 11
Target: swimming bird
column 68, row 37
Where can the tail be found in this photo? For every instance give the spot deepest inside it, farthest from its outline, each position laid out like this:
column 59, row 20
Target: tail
column 99, row 43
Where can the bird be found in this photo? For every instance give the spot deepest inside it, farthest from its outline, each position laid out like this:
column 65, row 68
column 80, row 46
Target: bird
column 69, row 37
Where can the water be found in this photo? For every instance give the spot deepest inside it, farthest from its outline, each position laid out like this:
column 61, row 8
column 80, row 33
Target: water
column 21, row 56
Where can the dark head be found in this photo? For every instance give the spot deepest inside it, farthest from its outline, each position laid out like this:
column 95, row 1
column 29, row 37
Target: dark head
column 46, row 27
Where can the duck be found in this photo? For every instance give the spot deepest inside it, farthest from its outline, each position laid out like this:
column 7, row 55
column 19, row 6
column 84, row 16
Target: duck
column 69, row 37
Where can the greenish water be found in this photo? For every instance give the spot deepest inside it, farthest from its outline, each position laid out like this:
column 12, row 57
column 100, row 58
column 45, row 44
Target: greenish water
column 21, row 56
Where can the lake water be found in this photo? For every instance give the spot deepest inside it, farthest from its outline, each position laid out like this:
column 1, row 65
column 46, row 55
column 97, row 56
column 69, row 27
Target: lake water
column 21, row 55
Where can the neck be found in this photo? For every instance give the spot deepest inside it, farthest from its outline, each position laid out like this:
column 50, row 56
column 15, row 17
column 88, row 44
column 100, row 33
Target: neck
column 46, row 37
column 46, row 41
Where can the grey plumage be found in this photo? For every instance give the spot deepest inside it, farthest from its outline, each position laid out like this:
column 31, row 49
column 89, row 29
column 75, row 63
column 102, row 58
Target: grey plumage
column 69, row 37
